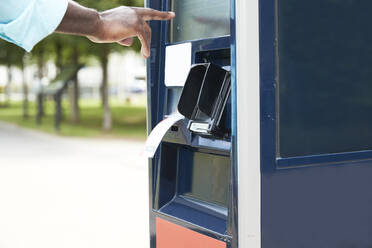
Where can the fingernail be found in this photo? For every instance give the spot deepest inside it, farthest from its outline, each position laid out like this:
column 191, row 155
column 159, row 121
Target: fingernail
column 172, row 13
column 145, row 54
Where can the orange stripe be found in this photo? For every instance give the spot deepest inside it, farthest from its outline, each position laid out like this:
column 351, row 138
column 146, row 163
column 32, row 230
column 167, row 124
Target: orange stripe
column 169, row 235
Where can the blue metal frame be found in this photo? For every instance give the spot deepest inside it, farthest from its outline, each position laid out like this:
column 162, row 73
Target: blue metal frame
column 234, row 211
column 324, row 159
column 153, row 117
column 302, row 205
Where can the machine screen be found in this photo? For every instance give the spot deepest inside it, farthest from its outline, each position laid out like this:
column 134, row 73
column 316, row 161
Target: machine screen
column 205, row 177
column 324, row 71
column 199, row 19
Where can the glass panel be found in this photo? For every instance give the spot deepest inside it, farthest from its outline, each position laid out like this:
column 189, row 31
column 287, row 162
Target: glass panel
column 325, row 76
column 205, row 177
column 199, row 19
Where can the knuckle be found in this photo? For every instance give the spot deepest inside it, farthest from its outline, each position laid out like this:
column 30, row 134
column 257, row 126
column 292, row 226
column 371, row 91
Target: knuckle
column 139, row 28
column 138, row 20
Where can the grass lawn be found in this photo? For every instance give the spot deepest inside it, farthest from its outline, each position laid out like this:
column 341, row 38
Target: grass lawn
column 128, row 121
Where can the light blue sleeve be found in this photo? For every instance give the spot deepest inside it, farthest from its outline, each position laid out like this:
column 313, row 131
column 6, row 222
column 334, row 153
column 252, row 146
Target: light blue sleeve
column 38, row 19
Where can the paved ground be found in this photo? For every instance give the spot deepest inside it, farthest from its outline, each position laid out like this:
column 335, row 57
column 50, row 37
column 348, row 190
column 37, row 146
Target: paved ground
column 65, row 192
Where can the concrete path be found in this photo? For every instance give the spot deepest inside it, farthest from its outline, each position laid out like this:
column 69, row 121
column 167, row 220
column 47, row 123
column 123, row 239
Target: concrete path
column 60, row 192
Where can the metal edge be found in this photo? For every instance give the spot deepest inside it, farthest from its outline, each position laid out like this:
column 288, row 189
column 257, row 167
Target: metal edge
column 248, row 123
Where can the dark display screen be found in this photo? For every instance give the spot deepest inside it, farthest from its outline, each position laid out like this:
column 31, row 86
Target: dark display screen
column 199, row 19
column 325, row 76
column 205, row 177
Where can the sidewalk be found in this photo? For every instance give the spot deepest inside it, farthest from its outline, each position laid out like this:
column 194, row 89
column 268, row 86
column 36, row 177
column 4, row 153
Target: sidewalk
column 69, row 192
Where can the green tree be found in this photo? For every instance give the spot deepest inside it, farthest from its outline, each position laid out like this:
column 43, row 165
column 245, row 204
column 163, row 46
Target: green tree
column 103, row 51
column 12, row 55
column 40, row 55
column 76, row 50
column 72, row 50
column 64, row 49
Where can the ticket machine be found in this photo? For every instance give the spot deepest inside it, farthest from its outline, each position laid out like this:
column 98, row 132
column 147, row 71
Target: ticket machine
column 191, row 177
column 275, row 147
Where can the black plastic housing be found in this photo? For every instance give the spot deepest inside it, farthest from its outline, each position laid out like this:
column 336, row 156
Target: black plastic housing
column 204, row 98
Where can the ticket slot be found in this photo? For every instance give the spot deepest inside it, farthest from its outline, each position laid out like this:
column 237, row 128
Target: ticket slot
column 204, row 98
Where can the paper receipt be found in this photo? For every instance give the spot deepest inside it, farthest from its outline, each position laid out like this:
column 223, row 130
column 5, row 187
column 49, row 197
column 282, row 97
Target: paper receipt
column 157, row 134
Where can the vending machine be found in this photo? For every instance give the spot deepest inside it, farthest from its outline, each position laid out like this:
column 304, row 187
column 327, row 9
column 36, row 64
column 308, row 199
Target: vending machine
column 262, row 111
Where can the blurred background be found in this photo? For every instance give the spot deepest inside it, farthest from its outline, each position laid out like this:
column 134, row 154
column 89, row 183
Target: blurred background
column 72, row 127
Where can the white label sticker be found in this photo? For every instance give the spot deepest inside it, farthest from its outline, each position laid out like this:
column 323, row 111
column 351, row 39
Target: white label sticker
column 157, row 134
column 177, row 64
column 199, row 127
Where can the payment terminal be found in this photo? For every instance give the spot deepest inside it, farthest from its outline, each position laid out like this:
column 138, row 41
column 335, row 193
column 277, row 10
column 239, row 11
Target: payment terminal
column 191, row 174
column 269, row 143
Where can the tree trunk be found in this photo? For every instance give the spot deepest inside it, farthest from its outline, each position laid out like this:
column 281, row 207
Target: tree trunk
column 40, row 66
column 40, row 75
column 107, row 121
column 24, row 90
column 59, row 56
column 101, row 94
column 8, row 83
column 74, row 99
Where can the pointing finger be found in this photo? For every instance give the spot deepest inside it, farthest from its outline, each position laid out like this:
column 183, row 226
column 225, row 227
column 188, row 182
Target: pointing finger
column 152, row 14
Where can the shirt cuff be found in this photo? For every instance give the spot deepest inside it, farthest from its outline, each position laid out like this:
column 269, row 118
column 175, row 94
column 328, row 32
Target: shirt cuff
column 38, row 20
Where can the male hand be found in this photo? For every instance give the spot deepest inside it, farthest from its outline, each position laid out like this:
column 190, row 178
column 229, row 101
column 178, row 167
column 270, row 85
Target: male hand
column 122, row 24
column 118, row 25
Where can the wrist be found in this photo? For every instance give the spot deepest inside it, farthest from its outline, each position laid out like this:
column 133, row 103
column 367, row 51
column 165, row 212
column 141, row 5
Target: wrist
column 82, row 21
column 98, row 26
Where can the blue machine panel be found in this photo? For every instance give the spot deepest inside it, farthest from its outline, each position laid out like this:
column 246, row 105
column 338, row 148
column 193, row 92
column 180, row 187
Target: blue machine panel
column 311, row 200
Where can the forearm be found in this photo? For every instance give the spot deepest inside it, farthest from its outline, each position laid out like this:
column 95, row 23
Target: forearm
column 79, row 20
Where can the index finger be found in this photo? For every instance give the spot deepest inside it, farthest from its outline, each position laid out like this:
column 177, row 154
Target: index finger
column 152, row 14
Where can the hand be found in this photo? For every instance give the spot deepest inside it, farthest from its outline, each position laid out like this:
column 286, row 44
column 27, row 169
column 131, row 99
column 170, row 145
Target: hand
column 123, row 23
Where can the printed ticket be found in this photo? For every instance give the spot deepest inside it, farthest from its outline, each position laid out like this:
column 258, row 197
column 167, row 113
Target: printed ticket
column 158, row 133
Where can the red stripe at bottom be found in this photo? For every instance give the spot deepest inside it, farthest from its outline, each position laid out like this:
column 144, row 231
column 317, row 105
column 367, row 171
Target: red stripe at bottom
column 169, row 235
